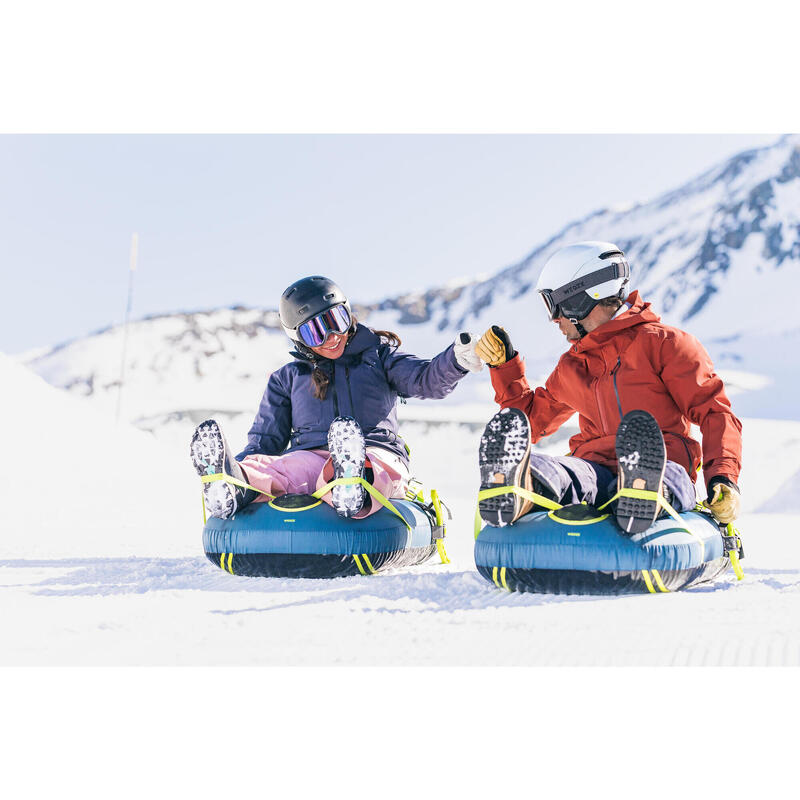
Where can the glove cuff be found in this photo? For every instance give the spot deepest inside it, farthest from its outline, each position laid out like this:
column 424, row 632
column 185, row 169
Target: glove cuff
column 712, row 482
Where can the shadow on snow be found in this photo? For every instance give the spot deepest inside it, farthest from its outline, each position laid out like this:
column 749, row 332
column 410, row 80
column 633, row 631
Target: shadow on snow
column 429, row 588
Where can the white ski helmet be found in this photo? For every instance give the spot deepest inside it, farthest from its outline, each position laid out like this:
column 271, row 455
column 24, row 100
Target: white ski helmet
column 577, row 277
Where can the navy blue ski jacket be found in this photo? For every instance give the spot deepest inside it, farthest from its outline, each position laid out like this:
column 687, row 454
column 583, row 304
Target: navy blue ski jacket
column 366, row 381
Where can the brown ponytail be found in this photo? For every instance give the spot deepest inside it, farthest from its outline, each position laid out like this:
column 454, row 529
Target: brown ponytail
column 387, row 337
column 320, row 381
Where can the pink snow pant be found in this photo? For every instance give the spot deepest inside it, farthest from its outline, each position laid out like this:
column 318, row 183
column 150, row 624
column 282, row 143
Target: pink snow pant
column 305, row 471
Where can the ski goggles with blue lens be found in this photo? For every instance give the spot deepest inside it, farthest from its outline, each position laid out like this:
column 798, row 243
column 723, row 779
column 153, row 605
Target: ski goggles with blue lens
column 315, row 331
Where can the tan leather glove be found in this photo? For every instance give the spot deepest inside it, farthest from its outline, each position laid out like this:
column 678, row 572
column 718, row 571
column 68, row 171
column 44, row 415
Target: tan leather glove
column 724, row 502
column 494, row 347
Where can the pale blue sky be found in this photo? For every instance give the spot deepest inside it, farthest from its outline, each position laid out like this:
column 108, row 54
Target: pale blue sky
column 234, row 219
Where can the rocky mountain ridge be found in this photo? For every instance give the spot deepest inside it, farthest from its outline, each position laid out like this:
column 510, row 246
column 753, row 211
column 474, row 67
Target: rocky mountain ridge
column 707, row 255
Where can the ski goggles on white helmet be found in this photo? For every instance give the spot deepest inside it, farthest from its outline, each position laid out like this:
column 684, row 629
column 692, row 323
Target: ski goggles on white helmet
column 573, row 300
column 315, row 331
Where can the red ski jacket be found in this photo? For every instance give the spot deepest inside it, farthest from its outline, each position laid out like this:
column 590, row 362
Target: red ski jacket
column 632, row 361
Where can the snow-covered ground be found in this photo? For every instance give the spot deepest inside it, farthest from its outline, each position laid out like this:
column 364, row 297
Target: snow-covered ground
column 101, row 564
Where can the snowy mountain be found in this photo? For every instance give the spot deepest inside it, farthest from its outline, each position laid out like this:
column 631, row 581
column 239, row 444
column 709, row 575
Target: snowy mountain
column 738, row 222
column 707, row 255
column 179, row 364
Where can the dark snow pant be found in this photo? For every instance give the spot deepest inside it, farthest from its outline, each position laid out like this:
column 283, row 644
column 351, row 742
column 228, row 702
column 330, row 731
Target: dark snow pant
column 574, row 480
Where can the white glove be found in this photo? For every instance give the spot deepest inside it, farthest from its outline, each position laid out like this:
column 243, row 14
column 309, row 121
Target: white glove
column 465, row 353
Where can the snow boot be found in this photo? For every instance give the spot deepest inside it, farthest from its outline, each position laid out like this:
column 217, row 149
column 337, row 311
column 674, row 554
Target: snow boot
column 503, row 458
column 348, row 453
column 641, row 459
column 211, row 455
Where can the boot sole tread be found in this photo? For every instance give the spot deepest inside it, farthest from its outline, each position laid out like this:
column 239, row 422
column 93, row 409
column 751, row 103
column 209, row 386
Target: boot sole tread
column 207, row 450
column 504, row 449
column 348, row 453
column 641, row 456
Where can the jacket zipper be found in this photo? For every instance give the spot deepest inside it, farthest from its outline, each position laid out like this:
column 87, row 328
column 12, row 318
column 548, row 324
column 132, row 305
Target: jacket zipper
column 599, row 399
column 599, row 403
column 619, row 406
column 335, row 395
column 349, row 392
column 616, row 390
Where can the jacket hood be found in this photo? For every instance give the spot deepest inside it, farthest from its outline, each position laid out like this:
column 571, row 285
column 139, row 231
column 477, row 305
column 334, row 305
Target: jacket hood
column 638, row 313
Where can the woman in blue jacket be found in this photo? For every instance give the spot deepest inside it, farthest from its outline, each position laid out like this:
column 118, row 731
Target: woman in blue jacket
column 329, row 413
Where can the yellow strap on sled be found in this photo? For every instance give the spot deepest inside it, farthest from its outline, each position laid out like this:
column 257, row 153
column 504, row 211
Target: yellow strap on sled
column 639, row 494
column 221, row 476
column 645, row 494
column 534, row 498
column 437, row 507
column 387, row 504
column 733, row 556
column 648, row 582
column 320, row 493
column 367, row 562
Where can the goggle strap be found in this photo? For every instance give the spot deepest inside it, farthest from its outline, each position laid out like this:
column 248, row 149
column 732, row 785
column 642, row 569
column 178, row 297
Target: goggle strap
column 616, row 270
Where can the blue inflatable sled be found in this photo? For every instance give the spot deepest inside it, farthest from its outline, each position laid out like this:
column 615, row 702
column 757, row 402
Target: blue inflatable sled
column 298, row 536
column 579, row 550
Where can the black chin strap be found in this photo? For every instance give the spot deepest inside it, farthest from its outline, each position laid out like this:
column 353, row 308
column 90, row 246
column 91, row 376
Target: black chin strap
column 307, row 352
column 581, row 330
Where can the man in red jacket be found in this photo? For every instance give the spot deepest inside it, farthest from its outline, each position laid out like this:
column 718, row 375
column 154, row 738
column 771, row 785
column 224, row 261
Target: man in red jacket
column 637, row 386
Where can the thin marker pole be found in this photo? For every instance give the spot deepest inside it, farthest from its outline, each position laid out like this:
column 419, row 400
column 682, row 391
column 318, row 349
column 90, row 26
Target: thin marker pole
column 131, row 271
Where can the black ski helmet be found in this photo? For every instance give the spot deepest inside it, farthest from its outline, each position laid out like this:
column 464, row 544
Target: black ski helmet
column 305, row 299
